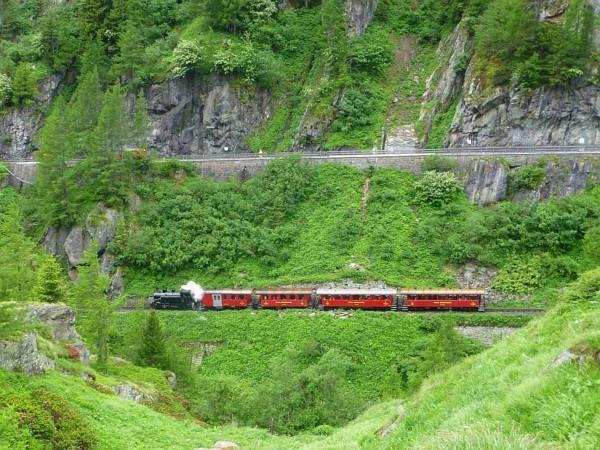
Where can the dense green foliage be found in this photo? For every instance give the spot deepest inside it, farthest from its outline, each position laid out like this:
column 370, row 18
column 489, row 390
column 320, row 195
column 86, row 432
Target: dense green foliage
column 296, row 370
column 301, row 224
column 515, row 45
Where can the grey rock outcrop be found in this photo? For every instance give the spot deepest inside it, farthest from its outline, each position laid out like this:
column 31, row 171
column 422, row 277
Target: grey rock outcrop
column 132, row 393
column 472, row 276
column 509, row 117
column 61, row 320
column 71, row 242
column 486, row 182
column 198, row 115
column 359, row 14
column 561, row 179
column 445, row 84
column 23, row 355
column 19, row 125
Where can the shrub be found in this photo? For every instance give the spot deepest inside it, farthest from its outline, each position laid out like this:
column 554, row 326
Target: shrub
column 437, row 188
column 438, row 163
column 51, row 419
column 372, row 52
column 186, row 57
column 526, row 178
column 520, row 277
column 5, row 90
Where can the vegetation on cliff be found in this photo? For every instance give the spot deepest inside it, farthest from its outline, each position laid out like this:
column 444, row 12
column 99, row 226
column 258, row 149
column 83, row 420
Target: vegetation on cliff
column 331, row 88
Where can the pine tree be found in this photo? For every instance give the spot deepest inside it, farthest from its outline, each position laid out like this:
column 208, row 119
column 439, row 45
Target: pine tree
column 50, row 283
column 131, row 52
column 93, row 307
column 18, row 257
column 83, row 111
column 152, row 351
column 140, row 122
column 103, row 167
column 52, row 183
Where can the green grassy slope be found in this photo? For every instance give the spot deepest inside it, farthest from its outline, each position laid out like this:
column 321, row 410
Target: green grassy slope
column 510, row 396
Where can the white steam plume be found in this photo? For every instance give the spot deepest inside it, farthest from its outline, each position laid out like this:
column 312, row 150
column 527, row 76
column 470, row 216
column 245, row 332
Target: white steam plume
column 195, row 289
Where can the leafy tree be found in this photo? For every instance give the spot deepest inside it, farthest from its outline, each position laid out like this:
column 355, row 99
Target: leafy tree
column 307, row 388
column 434, row 353
column 186, row 57
column 92, row 305
column 437, row 188
column 50, row 283
column 152, row 351
column 131, row 52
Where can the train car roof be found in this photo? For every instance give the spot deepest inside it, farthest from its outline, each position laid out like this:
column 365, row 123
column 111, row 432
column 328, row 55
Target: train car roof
column 443, row 291
column 350, row 291
column 284, row 291
column 228, row 291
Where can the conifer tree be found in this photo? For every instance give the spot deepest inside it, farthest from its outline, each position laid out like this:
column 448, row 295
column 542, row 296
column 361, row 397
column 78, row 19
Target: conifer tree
column 83, row 111
column 152, row 351
column 103, row 167
column 50, row 283
column 93, row 306
column 52, row 183
column 131, row 52
column 18, row 257
column 140, row 122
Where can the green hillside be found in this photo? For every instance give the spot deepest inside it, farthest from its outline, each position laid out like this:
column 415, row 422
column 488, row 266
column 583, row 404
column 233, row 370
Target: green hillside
column 509, row 396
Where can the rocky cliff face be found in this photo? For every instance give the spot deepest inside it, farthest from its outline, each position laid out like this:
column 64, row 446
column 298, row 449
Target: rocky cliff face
column 359, row 14
column 71, row 242
column 488, row 181
column 18, row 126
column 508, row 116
column 196, row 115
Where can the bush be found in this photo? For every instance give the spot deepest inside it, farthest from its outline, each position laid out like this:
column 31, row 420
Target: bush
column 526, row 178
column 186, row 58
column 372, row 52
column 437, row 163
column 52, row 420
column 520, row 277
column 437, row 188
column 5, row 90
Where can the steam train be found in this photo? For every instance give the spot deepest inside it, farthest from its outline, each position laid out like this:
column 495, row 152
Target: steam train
column 323, row 298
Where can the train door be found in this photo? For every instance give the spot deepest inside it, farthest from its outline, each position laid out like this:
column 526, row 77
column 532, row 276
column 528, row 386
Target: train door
column 217, row 301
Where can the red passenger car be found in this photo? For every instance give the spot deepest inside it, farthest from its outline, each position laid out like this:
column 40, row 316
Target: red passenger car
column 284, row 298
column 227, row 298
column 357, row 298
column 442, row 299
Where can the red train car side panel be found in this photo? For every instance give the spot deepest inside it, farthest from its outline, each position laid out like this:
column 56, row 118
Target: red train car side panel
column 443, row 299
column 356, row 298
column 220, row 299
column 283, row 299
column 357, row 301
